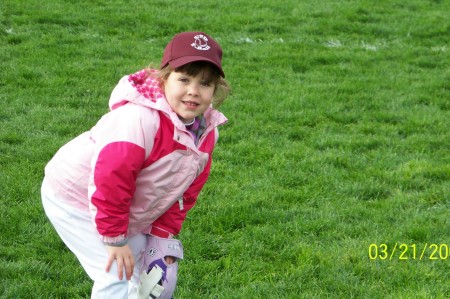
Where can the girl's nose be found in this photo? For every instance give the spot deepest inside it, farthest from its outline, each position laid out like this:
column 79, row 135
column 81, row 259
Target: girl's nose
column 193, row 90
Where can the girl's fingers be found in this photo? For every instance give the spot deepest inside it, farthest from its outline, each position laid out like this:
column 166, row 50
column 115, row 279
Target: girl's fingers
column 109, row 263
column 119, row 268
column 129, row 267
column 124, row 259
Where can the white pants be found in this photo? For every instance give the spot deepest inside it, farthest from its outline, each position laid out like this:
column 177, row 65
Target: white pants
column 76, row 229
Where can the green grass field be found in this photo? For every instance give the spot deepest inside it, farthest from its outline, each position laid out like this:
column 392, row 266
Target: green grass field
column 331, row 179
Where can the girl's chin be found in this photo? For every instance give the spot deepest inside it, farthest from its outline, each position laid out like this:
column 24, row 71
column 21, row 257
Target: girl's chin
column 187, row 120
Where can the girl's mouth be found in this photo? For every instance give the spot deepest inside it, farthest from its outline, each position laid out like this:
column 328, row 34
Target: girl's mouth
column 190, row 104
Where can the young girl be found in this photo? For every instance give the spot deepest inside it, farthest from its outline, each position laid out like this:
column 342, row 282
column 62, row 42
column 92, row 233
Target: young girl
column 118, row 193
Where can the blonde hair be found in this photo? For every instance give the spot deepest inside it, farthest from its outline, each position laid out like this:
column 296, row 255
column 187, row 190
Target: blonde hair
column 222, row 88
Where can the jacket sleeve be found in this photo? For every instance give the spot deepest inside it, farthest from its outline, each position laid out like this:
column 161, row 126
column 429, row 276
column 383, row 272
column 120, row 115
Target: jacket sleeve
column 120, row 140
column 172, row 220
column 114, row 177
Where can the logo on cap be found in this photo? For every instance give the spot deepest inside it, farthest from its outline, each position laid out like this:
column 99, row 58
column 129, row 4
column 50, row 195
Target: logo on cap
column 201, row 42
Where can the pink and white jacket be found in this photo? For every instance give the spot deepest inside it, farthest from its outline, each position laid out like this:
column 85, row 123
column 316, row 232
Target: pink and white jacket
column 138, row 169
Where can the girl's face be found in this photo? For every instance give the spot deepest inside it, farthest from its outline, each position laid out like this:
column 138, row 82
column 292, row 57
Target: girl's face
column 188, row 95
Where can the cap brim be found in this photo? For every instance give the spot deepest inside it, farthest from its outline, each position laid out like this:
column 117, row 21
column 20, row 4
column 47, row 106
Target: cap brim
column 188, row 59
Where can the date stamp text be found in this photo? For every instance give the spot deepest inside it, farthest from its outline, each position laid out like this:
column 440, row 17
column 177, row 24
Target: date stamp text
column 402, row 251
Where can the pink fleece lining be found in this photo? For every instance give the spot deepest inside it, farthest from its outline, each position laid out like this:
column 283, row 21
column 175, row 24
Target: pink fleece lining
column 147, row 86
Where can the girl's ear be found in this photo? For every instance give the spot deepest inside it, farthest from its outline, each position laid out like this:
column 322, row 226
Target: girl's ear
column 163, row 79
column 162, row 82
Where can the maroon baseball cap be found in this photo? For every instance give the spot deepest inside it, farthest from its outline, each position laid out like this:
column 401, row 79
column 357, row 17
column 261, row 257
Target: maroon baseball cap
column 188, row 47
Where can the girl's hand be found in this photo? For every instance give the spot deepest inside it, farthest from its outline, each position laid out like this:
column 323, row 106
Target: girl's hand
column 124, row 257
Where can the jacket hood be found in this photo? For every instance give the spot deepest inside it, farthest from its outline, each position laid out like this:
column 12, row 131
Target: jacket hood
column 138, row 88
column 143, row 89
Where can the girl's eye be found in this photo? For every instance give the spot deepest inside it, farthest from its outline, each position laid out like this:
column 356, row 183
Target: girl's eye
column 206, row 84
column 184, row 80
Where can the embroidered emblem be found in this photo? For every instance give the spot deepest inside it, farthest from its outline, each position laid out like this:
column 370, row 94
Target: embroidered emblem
column 152, row 251
column 201, row 42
